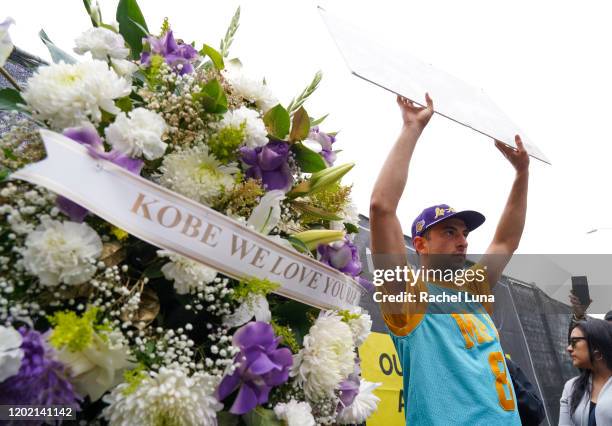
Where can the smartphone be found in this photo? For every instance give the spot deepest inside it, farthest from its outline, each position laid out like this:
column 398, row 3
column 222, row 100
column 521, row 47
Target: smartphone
column 580, row 287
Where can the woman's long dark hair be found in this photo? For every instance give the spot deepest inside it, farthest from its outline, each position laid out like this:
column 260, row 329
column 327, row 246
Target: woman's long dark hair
column 598, row 335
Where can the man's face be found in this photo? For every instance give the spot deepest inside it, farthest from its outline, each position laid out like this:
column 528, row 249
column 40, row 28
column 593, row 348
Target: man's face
column 445, row 246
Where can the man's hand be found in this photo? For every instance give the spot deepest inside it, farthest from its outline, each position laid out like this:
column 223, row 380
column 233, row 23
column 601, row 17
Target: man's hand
column 414, row 116
column 577, row 306
column 517, row 157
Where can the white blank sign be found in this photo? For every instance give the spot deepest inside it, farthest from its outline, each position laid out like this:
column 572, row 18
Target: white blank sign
column 407, row 76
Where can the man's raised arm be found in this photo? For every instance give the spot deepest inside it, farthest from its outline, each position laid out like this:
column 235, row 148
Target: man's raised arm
column 510, row 227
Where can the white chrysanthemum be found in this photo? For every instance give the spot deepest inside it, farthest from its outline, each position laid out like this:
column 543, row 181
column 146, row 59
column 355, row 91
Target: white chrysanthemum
column 100, row 366
column 294, row 413
column 61, row 252
column 327, row 357
column 349, row 214
column 197, row 174
column 68, row 94
column 166, row 397
column 188, row 275
column 124, row 67
column 254, row 128
column 102, row 43
column 360, row 326
column 139, row 134
column 10, row 352
column 364, row 404
column 251, row 90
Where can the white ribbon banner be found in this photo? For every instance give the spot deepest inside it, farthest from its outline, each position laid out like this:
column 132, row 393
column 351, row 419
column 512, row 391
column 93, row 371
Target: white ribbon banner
column 173, row 222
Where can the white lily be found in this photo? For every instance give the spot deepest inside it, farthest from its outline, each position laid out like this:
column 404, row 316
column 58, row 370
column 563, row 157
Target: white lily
column 268, row 213
column 6, row 45
column 255, row 305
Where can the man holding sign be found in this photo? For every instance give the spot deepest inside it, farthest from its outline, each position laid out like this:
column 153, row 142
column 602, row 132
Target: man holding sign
column 454, row 368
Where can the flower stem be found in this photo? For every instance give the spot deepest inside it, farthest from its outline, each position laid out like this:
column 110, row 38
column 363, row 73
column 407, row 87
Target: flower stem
column 9, row 78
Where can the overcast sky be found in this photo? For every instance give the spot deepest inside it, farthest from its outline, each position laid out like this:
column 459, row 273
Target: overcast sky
column 547, row 64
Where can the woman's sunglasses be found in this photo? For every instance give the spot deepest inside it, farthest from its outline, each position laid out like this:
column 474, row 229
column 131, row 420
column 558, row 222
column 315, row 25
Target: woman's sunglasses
column 574, row 341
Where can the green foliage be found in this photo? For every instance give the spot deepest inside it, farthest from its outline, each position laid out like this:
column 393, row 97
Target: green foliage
column 287, row 336
column 9, row 100
column 241, row 199
column 300, row 125
column 57, row 54
column 215, row 57
column 277, row 121
column 133, row 378
column 212, row 97
column 71, row 331
column 297, row 316
column 132, row 25
column 229, row 34
column 261, row 417
column 224, row 144
column 253, row 285
column 296, row 103
column 308, row 160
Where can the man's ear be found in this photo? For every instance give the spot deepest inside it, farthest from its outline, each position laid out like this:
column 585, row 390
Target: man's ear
column 420, row 244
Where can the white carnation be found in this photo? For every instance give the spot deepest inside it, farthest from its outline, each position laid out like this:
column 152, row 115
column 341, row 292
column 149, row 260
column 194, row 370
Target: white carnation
column 139, row 134
column 169, row 395
column 327, row 357
column 360, row 326
column 197, row 174
column 102, row 43
column 188, row 275
column 254, row 127
column 294, row 413
column 249, row 89
column 124, row 67
column 62, row 252
column 68, row 94
column 11, row 353
column 100, row 366
column 364, row 404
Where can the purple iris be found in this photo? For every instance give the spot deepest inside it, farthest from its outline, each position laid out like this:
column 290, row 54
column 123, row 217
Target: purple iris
column 348, row 390
column 262, row 366
column 270, row 164
column 326, row 141
column 174, row 53
column 343, row 256
column 41, row 380
column 88, row 136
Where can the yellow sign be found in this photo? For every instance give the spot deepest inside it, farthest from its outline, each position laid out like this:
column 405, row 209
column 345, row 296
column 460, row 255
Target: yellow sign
column 380, row 364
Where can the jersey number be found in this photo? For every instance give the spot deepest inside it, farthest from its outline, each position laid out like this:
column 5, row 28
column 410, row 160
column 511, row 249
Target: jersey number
column 501, row 381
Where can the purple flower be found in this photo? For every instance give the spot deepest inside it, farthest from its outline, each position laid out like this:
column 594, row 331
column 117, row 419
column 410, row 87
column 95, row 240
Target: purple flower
column 348, row 390
column 41, row 380
column 326, row 141
column 343, row 256
column 270, row 164
column 262, row 366
column 88, row 137
column 174, row 53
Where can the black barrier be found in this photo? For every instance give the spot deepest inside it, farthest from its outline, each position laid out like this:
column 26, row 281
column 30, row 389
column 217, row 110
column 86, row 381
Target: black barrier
column 533, row 329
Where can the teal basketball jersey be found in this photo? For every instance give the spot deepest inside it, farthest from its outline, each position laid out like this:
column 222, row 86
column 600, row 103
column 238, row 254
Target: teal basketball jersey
column 454, row 370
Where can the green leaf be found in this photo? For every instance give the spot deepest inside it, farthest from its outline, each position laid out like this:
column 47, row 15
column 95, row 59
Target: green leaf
column 227, row 419
column 215, row 57
column 295, row 315
column 4, row 173
column 300, row 126
column 308, row 160
column 350, row 228
column 212, row 97
column 277, row 121
column 261, row 417
column 315, row 211
column 132, row 25
column 57, row 54
column 153, row 271
column 298, row 245
column 124, row 104
column 318, row 121
column 9, row 98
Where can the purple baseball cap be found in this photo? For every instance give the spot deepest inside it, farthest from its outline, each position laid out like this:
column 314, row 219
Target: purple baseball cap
column 436, row 214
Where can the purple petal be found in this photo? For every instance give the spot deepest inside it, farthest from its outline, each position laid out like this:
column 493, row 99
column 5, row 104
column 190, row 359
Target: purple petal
column 253, row 333
column 228, row 385
column 278, row 179
column 340, row 257
column 270, row 159
column 133, row 165
column 248, row 155
column 74, row 211
column 262, row 365
column 85, row 135
column 349, row 389
column 245, row 401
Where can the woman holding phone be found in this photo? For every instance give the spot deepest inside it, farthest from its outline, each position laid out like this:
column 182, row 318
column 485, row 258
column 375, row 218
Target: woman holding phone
column 587, row 398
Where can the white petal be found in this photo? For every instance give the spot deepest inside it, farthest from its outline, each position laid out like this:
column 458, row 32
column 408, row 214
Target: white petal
column 6, row 45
